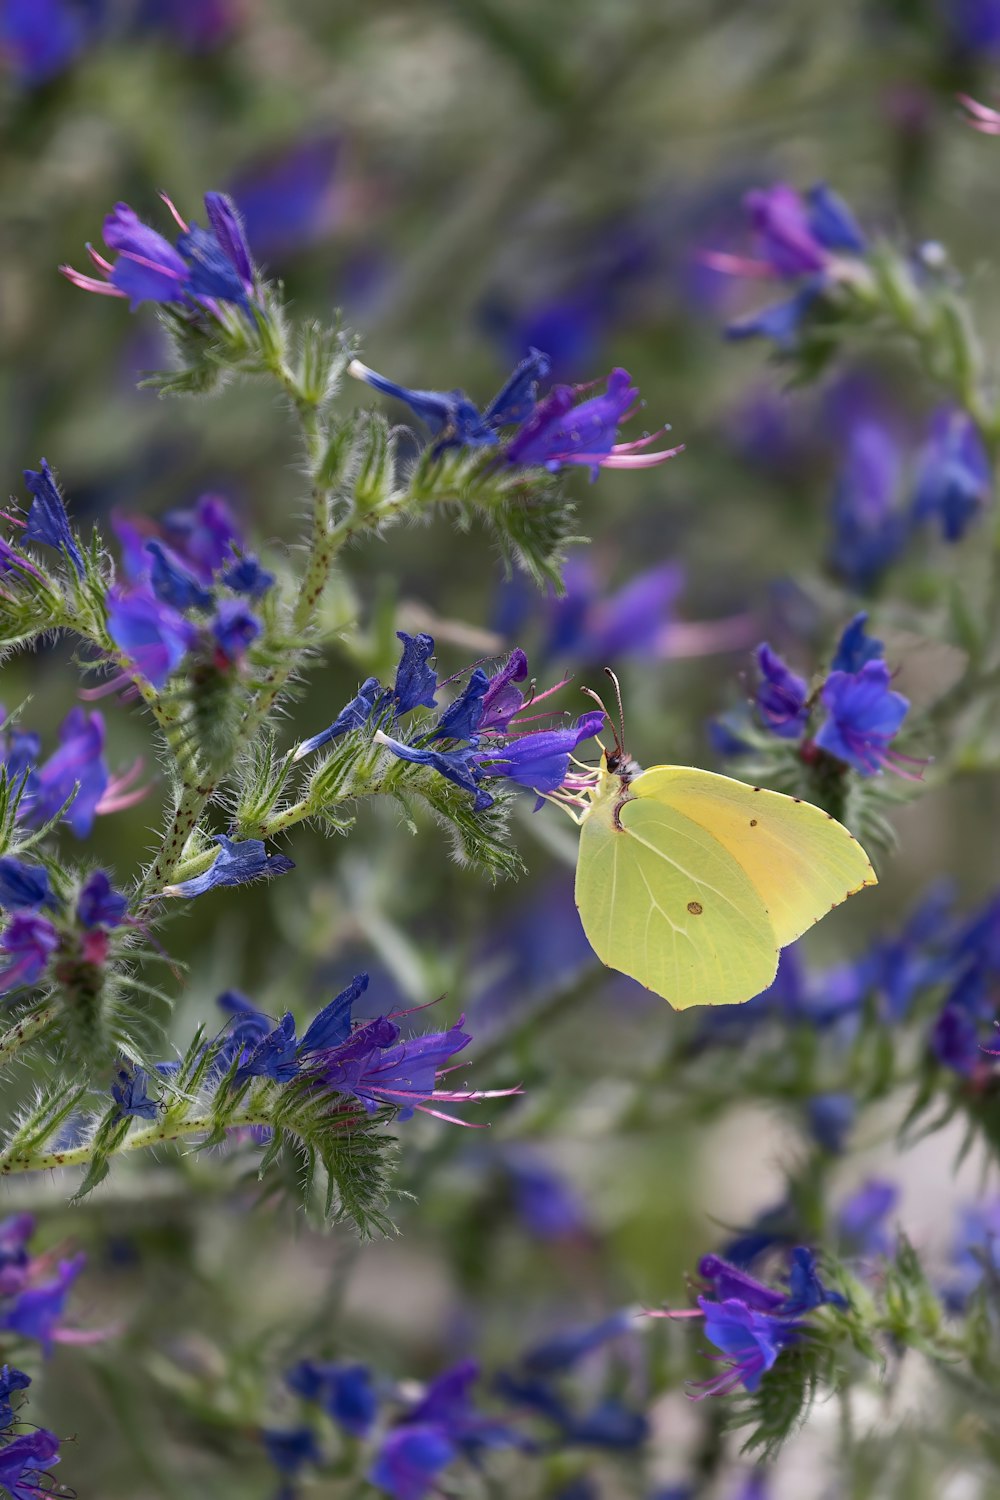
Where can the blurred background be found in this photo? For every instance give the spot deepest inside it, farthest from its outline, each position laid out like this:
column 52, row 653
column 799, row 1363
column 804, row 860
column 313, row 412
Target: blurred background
column 465, row 179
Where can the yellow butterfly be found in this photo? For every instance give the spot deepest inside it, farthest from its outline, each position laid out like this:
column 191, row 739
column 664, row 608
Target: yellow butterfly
column 692, row 883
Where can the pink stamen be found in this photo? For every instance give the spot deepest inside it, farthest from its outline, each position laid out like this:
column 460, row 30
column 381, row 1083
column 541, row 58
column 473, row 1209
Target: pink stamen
column 638, row 460
column 737, row 265
column 152, row 265
column 983, row 118
column 176, row 216
column 90, row 283
column 105, row 689
column 99, row 261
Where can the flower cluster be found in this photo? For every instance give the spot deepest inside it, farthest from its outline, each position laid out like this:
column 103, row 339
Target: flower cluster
column 550, row 432
column 73, row 783
column 188, row 585
column 811, row 241
column 750, row 1322
column 25, row 1457
column 68, row 939
column 872, row 526
column 206, row 267
column 34, row 1290
column 477, row 737
column 862, row 714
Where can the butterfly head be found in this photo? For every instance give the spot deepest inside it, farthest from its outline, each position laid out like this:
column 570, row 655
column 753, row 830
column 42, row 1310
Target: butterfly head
column 616, row 762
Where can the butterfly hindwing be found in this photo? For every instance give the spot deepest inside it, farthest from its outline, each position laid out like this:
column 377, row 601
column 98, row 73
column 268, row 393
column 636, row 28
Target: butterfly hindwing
column 663, row 901
column 799, row 859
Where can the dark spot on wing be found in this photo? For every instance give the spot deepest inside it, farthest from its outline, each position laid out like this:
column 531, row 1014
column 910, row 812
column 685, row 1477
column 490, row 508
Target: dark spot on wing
column 695, row 908
column 796, row 799
column 756, row 789
column 753, row 822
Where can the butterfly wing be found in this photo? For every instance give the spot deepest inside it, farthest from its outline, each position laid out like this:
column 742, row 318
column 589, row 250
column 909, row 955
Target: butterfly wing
column 800, row 861
column 663, row 900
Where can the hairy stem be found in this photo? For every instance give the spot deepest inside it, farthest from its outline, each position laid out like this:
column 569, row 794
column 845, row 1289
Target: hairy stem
column 136, row 1140
column 25, row 1031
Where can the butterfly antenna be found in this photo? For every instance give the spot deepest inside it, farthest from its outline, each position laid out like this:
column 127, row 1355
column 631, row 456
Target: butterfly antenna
column 621, row 710
column 603, row 707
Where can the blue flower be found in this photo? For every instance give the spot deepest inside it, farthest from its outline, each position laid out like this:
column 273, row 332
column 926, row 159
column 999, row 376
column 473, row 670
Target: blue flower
column 864, row 718
column 830, row 1118
column 41, row 38
column 288, row 200
column 99, row 904
column 856, row 648
column 955, row 1041
column 332, row 1027
column 459, row 765
column 47, row 520
column 861, row 1217
column 566, row 1349
column 10, row 1381
column 453, row 419
column 23, row 1459
column 35, row 1313
column 24, row 887
column 27, row 943
column 409, row 1461
column 416, row 681
column 403, row 1075
column 562, row 431
column 976, row 1251
column 247, row 576
column 750, row 1339
column 781, row 695
column 204, row 537
column 151, row 635
column 274, row 1056
column 206, row 267
column 798, row 239
column 870, row 530
column 955, row 479
column 354, row 715
column 129, row 1094
column 291, row 1451
column 171, row 581
column 805, row 1289
column 346, row 1392
column 595, row 627
column 546, row 1204
column 235, row 628
column 235, row 864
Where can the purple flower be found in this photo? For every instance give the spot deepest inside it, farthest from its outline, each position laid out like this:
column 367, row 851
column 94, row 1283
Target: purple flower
column 409, row 1461
column 453, row 419
column 870, row 530
column 727, row 1281
column 235, row 864
column 558, row 431
column 290, row 200
column 592, row 626
column 751, row 1340
column 273, row 1056
column 36, row 1312
column 204, row 535
column 23, row 1459
column 502, row 700
column 830, row 1118
column 235, row 628
column 332, row 1026
column 150, row 634
column 540, row 760
column 954, row 1040
column 206, row 267
column 458, row 765
column 545, row 1203
column 955, row 479
column 798, row 239
column 171, row 581
column 346, row 1393
column 99, row 904
column 781, row 696
column 975, row 25
column 10, row 1381
column 27, row 943
column 129, row 1094
column 976, row 1252
column 855, row 648
column 41, row 38
column 196, row 25
column 246, row 576
column 864, row 717
column 861, row 1218
column 568, row 1348
column 805, row 1289
column 23, row 887
column 47, row 520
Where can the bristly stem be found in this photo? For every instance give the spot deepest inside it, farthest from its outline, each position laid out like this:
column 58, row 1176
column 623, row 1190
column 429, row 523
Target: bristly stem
column 137, row 1140
column 24, row 1031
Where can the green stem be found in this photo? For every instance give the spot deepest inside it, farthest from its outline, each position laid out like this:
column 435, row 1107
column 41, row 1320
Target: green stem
column 190, row 806
column 136, row 1140
column 24, row 1031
